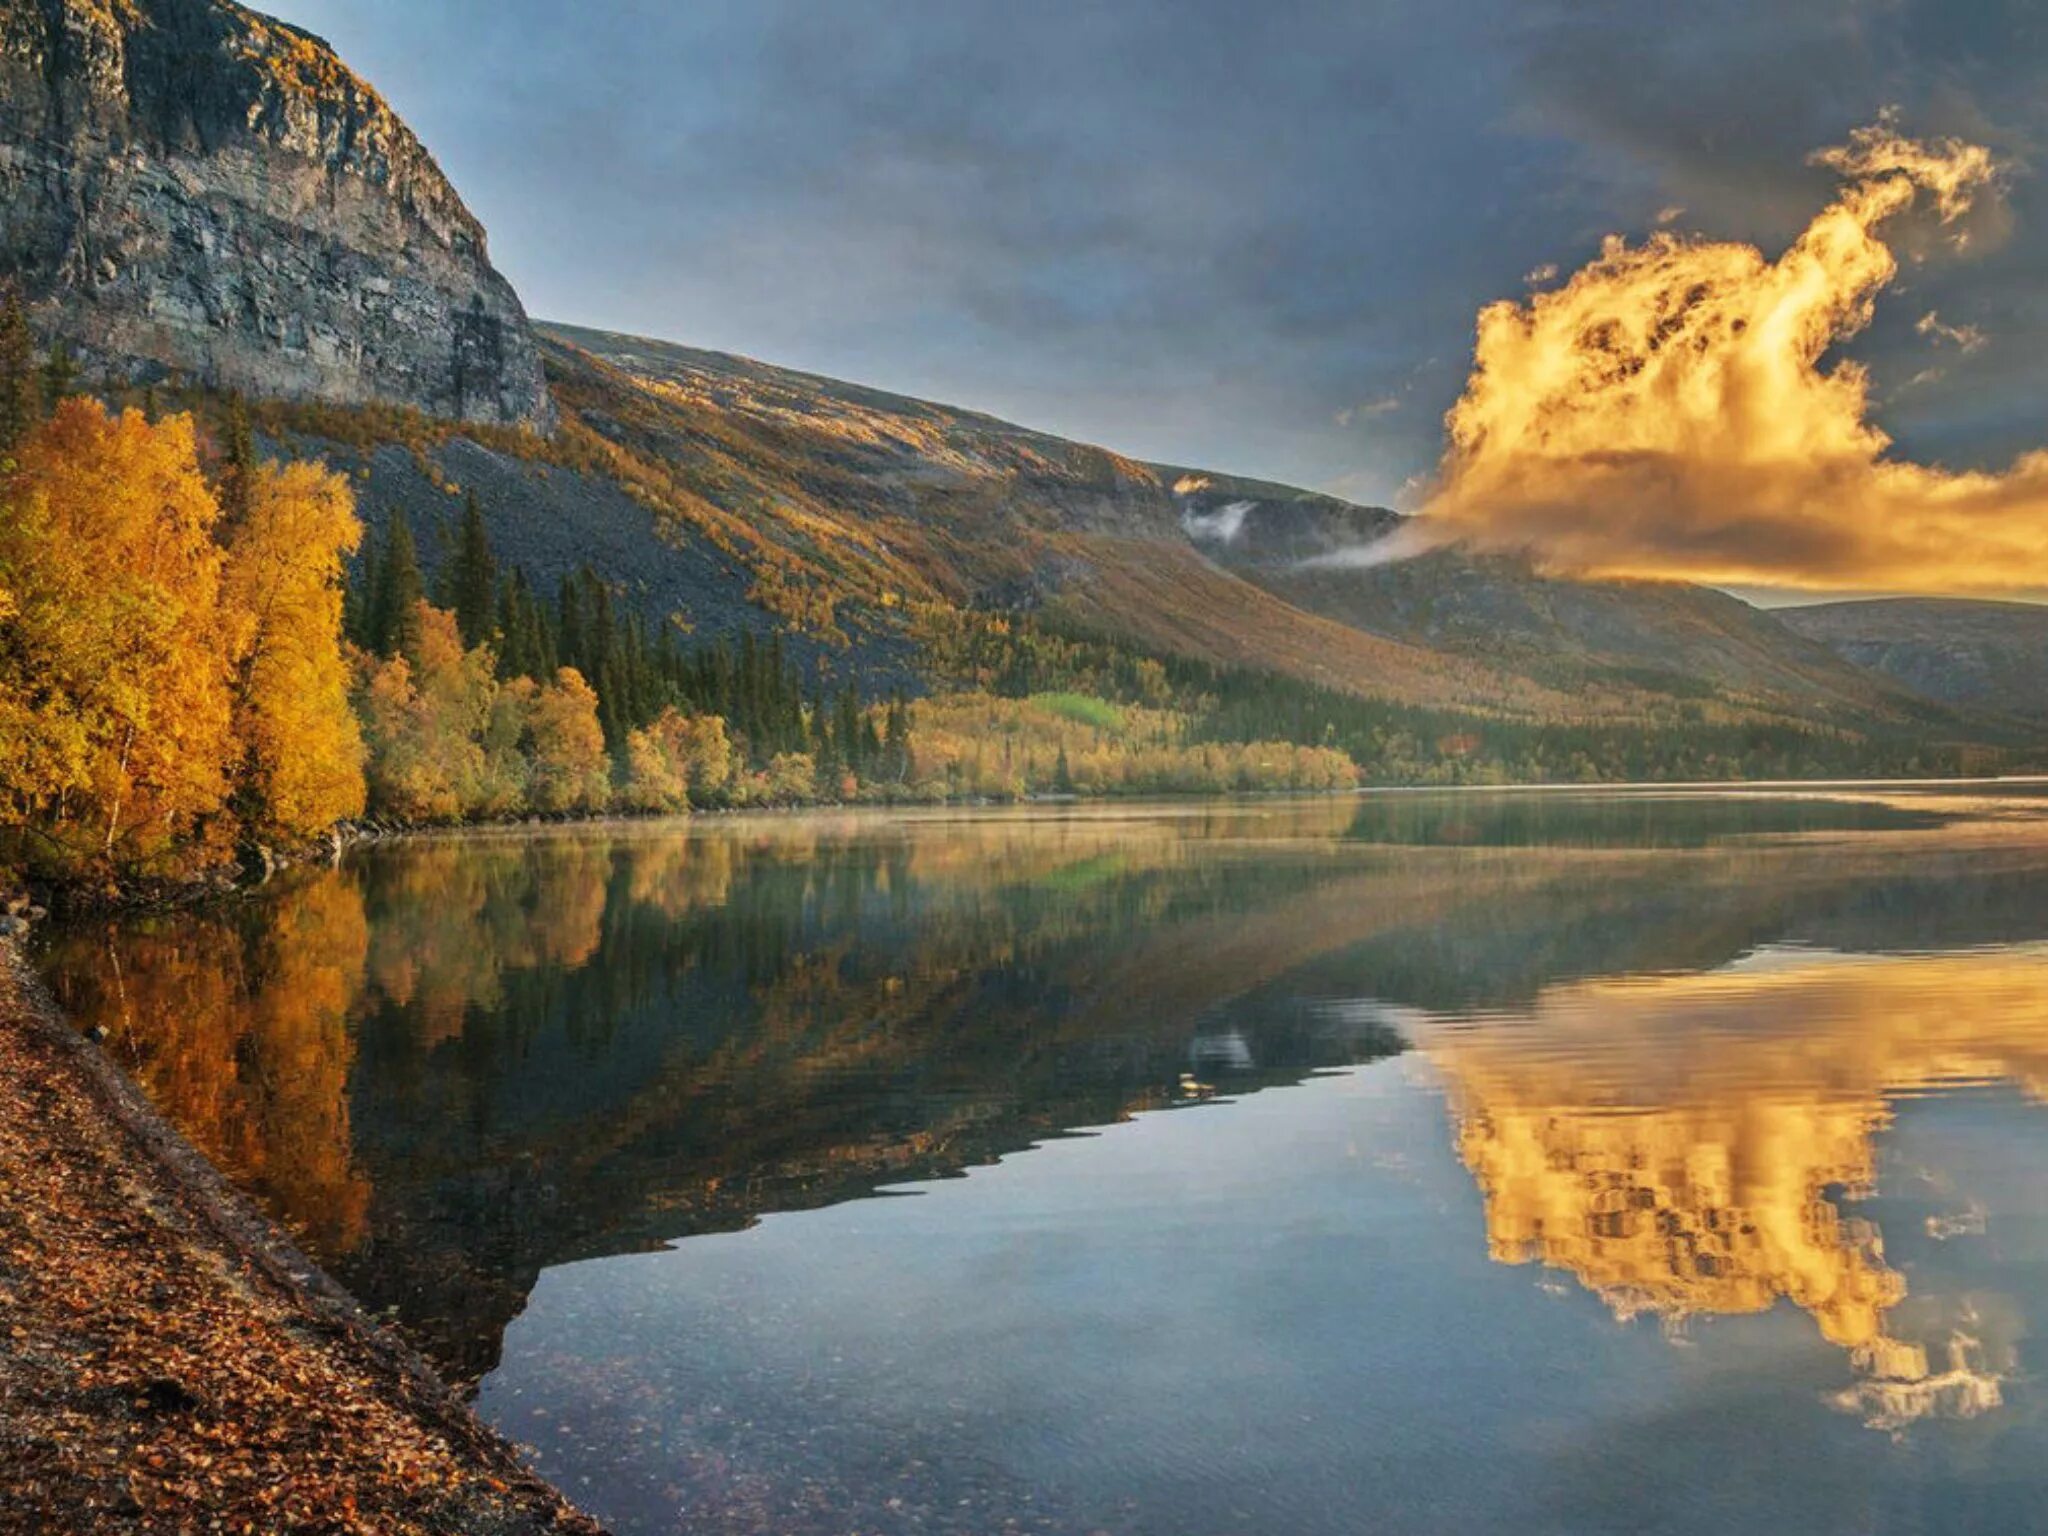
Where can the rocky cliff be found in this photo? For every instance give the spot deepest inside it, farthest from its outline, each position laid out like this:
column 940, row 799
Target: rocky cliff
column 189, row 190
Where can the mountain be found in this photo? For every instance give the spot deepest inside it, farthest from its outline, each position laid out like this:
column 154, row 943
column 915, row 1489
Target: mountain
column 1981, row 654
column 194, row 194
column 1197, row 562
column 1588, row 638
column 192, row 191
column 881, row 497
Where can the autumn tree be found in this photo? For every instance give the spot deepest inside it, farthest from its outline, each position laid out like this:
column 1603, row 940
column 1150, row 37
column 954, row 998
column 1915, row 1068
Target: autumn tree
column 424, row 717
column 115, row 708
column 570, row 769
column 302, row 751
column 675, row 760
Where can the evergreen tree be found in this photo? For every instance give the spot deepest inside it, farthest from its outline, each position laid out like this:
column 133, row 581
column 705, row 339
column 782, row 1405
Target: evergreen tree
column 747, row 695
column 1063, row 773
column 359, row 594
column 521, row 651
column 21, row 399
column 60, row 375
column 824, row 750
column 394, row 620
column 237, row 465
column 896, row 742
column 472, row 576
column 569, row 647
column 602, row 637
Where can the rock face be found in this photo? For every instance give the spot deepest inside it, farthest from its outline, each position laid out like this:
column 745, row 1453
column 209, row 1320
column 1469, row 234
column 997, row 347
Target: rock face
column 189, row 190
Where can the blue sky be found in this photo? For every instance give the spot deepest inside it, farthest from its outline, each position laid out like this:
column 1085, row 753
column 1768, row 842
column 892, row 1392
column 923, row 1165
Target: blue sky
column 1245, row 237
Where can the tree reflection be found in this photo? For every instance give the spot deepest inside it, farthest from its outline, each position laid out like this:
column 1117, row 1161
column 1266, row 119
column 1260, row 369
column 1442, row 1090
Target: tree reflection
column 237, row 1027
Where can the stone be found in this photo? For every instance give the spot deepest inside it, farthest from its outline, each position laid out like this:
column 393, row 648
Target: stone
column 193, row 192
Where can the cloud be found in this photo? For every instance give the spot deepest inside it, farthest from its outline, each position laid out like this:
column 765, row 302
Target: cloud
column 1666, row 412
column 1537, row 276
column 1968, row 337
column 1220, row 526
column 1385, row 405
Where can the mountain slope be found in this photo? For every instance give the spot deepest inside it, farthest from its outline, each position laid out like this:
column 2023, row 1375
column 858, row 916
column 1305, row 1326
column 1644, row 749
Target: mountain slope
column 1200, row 563
column 1588, row 638
column 1960, row 652
column 189, row 190
column 880, row 498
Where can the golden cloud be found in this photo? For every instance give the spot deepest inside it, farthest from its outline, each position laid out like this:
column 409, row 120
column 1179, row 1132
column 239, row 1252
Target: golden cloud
column 1665, row 412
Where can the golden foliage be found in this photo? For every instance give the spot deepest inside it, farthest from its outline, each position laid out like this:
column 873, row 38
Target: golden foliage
column 570, row 771
column 283, row 579
column 676, row 759
column 425, row 719
column 448, row 741
column 114, row 698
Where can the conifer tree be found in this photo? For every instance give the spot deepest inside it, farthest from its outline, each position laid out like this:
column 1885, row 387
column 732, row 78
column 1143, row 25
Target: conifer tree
column 824, row 749
column 60, row 375
column 896, row 742
column 472, row 579
column 237, row 465
column 511, row 643
column 847, row 729
column 570, row 650
column 394, row 622
column 359, row 594
column 21, row 402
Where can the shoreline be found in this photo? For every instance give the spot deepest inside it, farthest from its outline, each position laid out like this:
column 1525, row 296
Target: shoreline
column 73, row 899
column 170, row 1359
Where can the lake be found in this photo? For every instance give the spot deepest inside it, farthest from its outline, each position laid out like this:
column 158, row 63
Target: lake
column 1555, row 1162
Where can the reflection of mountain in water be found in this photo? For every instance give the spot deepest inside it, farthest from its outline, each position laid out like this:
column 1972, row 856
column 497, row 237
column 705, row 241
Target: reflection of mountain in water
column 455, row 1064
column 1684, row 1144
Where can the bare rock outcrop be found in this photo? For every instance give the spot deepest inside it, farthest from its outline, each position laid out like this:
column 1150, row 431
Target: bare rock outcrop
column 192, row 191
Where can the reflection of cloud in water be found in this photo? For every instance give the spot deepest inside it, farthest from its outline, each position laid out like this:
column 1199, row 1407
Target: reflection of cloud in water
column 1895, row 1388
column 1680, row 1143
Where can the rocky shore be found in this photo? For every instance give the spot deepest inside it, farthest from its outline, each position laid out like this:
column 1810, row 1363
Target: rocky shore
column 169, row 1361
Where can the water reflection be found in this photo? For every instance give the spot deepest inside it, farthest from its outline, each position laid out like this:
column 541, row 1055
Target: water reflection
column 1688, row 1145
column 1673, row 1040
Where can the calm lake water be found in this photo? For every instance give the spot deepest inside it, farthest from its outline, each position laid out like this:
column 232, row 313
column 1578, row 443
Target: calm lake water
column 1418, row 1163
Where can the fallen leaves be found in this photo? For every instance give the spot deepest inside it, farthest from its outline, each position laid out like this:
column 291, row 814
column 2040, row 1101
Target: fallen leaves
column 156, row 1376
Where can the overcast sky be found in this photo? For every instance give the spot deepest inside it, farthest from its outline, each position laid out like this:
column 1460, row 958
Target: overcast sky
column 1245, row 236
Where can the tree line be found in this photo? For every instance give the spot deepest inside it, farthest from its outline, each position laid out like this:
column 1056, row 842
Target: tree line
column 722, row 723
column 1020, row 656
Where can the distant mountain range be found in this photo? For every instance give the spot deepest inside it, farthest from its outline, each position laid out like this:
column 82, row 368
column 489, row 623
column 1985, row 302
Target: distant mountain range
column 197, row 195
column 1977, row 654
